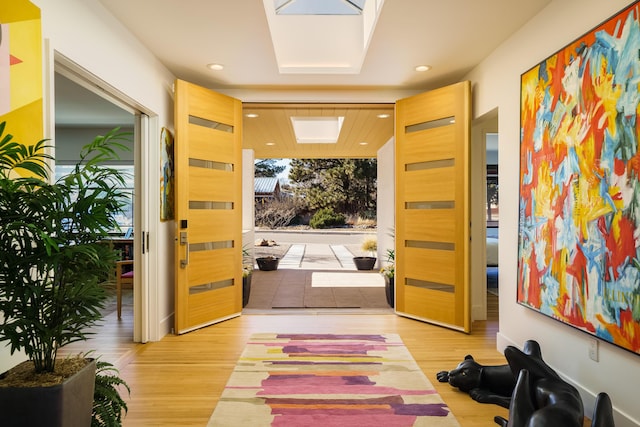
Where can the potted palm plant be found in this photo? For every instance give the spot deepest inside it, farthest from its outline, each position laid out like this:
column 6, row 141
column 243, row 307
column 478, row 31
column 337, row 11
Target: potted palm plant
column 367, row 262
column 52, row 263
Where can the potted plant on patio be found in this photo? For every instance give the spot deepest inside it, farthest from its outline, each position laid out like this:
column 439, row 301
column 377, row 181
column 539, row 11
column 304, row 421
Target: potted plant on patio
column 268, row 263
column 52, row 264
column 247, row 272
column 367, row 262
column 389, row 273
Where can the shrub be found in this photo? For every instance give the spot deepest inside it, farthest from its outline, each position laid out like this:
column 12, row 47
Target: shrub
column 276, row 213
column 370, row 245
column 368, row 215
column 326, row 217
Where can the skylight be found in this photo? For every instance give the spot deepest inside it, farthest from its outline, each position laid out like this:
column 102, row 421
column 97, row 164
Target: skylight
column 321, row 36
column 317, row 130
column 319, row 7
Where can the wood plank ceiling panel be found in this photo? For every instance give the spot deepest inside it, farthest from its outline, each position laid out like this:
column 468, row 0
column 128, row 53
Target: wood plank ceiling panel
column 273, row 126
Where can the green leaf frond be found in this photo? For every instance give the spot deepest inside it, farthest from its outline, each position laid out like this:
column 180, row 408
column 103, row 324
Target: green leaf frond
column 108, row 405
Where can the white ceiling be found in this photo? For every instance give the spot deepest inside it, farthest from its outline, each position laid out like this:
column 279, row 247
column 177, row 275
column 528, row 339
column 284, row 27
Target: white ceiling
column 451, row 36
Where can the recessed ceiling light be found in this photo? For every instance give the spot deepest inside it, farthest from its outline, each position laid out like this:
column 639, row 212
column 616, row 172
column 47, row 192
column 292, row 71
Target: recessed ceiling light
column 364, row 143
column 215, row 67
column 421, row 68
column 270, row 143
column 384, row 116
column 251, row 115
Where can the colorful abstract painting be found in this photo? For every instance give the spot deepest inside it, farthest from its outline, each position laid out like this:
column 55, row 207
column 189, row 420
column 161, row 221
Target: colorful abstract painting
column 579, row 213
column 327, row 380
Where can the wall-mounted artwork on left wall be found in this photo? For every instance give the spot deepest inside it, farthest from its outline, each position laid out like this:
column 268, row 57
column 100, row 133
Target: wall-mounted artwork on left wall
column 21, row 69
column 579, row 213
column 166, row 177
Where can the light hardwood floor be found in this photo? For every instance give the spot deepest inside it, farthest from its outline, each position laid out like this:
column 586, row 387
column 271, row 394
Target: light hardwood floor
column 178, row 380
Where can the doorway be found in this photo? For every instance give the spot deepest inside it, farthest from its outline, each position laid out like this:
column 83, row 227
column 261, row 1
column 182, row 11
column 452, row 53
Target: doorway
column 83, row 109
column 366, row 132
column 484, row 266
column 315, row 239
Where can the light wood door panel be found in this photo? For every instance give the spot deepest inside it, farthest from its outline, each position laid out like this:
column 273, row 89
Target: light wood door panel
column 203, row 268
column 435, row 225
column 432, row 265
column 437, row 184
column 211, row 185
column 200, row 137
column 208, row 225
column 430, row 144
column 432, row 206
column 208, row 249
column 431, row 304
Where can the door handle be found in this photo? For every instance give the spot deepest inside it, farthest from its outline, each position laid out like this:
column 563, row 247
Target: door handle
column 184, row 241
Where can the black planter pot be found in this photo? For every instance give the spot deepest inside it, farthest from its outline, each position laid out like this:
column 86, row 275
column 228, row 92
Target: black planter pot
column 389, row 289
column 246, row 290
column 364, row 262
column 268, row 263
column 66, row 405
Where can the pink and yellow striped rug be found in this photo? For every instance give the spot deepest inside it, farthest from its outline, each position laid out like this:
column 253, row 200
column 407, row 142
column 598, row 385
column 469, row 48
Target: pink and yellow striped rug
column 307, row 380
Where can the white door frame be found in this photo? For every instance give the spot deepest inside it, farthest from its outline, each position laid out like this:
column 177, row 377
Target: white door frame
column 145, row 315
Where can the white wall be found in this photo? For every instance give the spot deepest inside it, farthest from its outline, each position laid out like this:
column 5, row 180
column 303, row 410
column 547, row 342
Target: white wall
column 8, row 360
column 248, row 200
column 386, row 206
column 496, row 83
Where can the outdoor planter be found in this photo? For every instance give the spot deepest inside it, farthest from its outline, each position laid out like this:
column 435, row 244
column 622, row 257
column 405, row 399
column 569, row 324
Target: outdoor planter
column 65, row 405
column 246, row 289
column 364, row 262
column 269, row 263
column 389, row 290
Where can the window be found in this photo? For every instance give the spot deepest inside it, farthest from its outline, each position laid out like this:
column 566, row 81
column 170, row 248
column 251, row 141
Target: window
column 493, row 212
column 125, row 218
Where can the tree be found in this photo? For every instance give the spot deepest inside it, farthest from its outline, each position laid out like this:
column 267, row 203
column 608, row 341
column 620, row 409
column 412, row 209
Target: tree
column 267, row 168
column 346, row 185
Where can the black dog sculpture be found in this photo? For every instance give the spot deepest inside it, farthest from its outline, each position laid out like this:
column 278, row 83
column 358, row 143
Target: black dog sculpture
column 486, row 384
column 542, row 399
column 533, row 392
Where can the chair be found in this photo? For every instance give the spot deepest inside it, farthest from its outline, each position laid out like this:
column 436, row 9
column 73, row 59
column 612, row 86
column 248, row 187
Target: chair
column 122, row 278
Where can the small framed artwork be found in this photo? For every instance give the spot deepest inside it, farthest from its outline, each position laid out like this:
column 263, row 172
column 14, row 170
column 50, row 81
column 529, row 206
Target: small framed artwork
column 166, row 178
